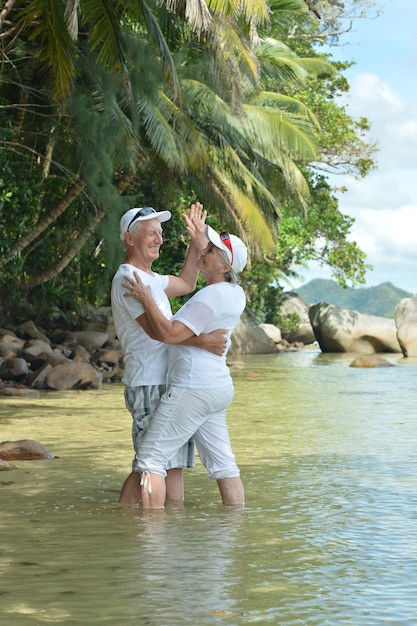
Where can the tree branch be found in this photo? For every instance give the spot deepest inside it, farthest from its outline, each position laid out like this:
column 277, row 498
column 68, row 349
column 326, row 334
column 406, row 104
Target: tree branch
column 78, row 244
column 22, row 243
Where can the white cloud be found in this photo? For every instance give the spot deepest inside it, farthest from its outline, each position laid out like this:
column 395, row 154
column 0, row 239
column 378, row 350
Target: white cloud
column 384, row 204
column 387, row 233
column 383, row 89
column 393, row 121
column 379, row 190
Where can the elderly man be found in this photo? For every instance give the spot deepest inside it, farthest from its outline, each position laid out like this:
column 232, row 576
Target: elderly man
column 145, row 359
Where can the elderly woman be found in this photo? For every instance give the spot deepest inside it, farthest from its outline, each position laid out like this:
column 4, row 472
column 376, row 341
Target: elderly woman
column 199, row 385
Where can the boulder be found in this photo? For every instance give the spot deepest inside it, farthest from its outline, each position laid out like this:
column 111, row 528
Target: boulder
column 73, row 376
column 106, row 357
column 342, row 330
column 23, row 450
column 249, row 338
column 33, row 348
column 90, row 339
column 406, row 323
column 14, row 369
column 80, row 355
column 19, row 392
column 30, row 331
column 10, row 345
column 100, row 319
column 5, row 465
column 48, row 358
column 272, row 331
column 37, row 379
column 370, row 361
column 293, row 304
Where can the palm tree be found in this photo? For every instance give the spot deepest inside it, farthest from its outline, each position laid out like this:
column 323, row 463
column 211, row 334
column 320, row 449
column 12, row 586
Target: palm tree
column 195, row 110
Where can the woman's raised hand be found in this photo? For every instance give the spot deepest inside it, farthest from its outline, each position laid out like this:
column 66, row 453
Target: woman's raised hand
column 195, row 223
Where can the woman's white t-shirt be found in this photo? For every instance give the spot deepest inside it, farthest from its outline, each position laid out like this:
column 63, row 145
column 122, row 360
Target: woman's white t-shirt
column 215, row 306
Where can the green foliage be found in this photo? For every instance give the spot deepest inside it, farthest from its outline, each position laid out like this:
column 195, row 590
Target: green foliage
column 287, row 323
column 321, row 236
column 110, row 121
column 380, row 300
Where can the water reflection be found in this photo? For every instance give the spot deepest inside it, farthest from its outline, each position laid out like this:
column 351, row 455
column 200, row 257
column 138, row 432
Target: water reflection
column 328, row 536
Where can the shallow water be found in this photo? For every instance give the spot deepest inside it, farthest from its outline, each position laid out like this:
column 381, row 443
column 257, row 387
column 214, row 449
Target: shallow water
column 328, row 535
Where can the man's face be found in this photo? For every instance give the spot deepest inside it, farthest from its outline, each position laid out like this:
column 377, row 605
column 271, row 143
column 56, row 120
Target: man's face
column 147, row 240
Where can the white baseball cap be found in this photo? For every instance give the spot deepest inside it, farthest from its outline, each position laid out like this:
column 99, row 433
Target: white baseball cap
column 236, row 251
column 140, row 215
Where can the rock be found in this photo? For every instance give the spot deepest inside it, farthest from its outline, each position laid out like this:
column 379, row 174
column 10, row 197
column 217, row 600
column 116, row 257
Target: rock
column 30, row 331
column 23, row 450
column 20, row 392
column 107, row 357
column 342, row 330
column 74, row 376
column 37, row 379
column 10, row 346
column 5, row 465
column 370, row 361
column 406, row 322
column 48, row 358
column 249, row 338
column 90, row 339
column 80, row 355
column 294, row 304
column 272, row 331
column 14, row 369
column 100, row 319
column 33, row 348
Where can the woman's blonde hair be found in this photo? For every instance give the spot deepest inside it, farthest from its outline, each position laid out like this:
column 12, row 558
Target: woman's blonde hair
column 231, row 276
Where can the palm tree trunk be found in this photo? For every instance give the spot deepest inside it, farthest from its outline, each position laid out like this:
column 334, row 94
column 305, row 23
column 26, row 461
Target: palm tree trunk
column 20, row 245
column 78, row 244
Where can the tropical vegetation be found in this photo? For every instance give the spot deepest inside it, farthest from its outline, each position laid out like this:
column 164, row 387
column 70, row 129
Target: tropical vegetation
column 107, row 105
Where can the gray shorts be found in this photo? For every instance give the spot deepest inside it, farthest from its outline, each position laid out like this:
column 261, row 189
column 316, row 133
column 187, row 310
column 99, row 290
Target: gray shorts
column 142, row 402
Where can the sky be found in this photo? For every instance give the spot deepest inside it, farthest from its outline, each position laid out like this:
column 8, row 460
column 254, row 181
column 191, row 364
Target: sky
column 383, row 88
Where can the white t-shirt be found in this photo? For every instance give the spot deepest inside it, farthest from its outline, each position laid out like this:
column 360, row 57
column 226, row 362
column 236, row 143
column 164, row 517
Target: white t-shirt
column 145, row 359
column 216, row 306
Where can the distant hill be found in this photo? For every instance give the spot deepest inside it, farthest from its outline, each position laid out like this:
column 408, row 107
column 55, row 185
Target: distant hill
column 380, row 300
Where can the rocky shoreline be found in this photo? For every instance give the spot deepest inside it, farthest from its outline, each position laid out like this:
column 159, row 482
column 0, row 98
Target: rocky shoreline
column 73, row 352
column 81, row 351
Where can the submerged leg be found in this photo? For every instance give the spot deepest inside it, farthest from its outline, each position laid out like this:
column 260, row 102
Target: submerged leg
column 153, row 490
column 131, row 491
column 174, row 484
column 232, row 491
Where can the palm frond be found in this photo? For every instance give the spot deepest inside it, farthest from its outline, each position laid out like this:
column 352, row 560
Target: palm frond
column 71, row 17
column 43, row 22
column 234, row 53
column 198, row 15
column 257, row 229
column 272, row 132
column 254, row 11
column 191, row 141
column 154, row 30
column 284, row 104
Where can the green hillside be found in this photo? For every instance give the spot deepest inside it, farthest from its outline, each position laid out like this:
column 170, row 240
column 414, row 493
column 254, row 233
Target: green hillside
column 380, row 300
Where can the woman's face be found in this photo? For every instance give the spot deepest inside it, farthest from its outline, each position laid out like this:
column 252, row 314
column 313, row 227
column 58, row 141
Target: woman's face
column 210, row 261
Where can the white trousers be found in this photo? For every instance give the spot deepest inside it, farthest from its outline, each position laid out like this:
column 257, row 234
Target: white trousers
column 185, row 413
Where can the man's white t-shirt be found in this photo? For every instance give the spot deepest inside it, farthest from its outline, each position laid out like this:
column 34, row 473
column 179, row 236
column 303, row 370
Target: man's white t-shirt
column 215, row 306
column 145, row 360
